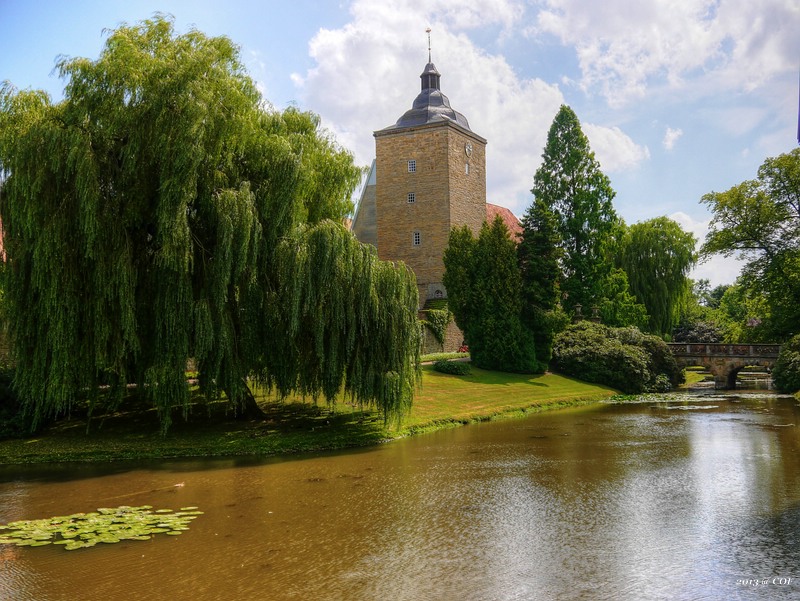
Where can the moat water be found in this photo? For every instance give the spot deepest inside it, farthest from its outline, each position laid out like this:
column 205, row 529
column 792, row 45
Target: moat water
column 674, row 497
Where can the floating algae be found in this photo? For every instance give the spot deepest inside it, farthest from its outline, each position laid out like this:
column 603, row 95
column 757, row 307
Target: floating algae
column 106, row 525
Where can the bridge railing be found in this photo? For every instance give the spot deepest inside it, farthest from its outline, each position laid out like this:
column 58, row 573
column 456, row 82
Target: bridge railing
column 690, row 349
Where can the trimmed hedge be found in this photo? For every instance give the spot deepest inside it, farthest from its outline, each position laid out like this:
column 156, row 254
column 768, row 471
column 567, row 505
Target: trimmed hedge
column 455, row 368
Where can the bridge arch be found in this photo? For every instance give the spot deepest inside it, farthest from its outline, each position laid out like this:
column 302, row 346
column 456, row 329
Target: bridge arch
column 725, row 361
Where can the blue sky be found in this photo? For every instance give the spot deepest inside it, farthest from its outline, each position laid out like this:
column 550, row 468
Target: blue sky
column 678, row 97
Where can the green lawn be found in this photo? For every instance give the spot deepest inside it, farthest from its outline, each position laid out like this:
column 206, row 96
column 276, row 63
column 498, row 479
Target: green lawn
column 485, row 394
column 292, row 427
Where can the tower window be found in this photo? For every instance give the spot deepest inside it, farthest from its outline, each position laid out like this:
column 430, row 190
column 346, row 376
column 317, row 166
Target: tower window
column 412, row 166
column 412, row 197
column 466, row 168
column 417, row 238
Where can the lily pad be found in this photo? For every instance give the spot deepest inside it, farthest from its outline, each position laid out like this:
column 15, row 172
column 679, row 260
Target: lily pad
column 107, row 525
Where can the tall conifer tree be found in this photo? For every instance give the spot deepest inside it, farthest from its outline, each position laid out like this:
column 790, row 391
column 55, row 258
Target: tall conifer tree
column 538, row 254
column 570, row 183
column 482, row 278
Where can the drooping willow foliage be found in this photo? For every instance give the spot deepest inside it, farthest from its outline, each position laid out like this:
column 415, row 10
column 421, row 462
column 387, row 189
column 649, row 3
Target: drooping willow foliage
column 160, row 212
column 657, row 256
column 342, row 312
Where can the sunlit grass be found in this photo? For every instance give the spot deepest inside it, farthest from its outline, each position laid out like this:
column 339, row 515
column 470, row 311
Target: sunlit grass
column 484, row 394
column 296, row 425
column 694, row 376
column 430, row 357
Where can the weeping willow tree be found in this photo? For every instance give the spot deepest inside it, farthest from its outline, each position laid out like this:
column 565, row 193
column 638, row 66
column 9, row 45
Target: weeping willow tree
column 341, row 314
column 163, row 211
column 657, row 256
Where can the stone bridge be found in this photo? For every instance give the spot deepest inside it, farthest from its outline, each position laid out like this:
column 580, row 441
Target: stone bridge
column 724, row 361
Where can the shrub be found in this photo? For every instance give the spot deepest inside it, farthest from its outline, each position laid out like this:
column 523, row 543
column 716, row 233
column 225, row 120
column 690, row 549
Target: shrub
column 455, row 368
column 587, row 351
column 436, row 303
column 699, row 331
column 660, row 360
column 786, row 373
column 661, row 384
column 623, row 358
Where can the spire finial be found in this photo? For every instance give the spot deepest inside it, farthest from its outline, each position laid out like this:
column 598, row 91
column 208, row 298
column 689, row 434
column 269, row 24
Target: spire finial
column 428, row 31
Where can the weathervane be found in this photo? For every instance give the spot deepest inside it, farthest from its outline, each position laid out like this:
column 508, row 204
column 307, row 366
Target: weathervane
column 428, row 31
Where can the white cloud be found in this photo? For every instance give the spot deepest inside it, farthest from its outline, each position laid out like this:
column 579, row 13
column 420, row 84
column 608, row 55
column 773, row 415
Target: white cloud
column 622, row 46
column 717, row 269
column 469, row 14
column 671, row 137
column 615, row 150
column 367, row 75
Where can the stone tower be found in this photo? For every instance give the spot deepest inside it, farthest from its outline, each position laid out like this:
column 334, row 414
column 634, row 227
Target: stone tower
column 430, row 176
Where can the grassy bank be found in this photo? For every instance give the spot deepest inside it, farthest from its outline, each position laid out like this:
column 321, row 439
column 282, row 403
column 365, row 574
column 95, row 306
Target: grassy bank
column 293, row 427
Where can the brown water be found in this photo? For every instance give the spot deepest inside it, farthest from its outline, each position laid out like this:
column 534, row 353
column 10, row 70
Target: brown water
column 656, row 500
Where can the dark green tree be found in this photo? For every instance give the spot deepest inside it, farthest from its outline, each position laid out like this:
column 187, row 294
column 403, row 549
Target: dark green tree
column 759, row 221
column 786, row 374
column 538, row 255
column 570, row 183
column 459, row 275
column 657, row 255
column 158, row 213
column 699, row 320
column 483, row 282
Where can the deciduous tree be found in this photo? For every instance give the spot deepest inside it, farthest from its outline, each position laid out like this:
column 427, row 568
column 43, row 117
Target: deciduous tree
column 158, row 213
column 759, row 221
column 657, row 256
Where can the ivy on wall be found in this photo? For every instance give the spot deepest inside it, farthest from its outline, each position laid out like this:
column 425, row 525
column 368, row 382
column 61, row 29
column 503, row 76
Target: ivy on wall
column 437, row 320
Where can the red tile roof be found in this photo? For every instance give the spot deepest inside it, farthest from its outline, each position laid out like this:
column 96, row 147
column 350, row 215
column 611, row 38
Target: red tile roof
column 511, row 221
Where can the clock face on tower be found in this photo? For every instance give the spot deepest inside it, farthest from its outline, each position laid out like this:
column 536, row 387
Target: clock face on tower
column 468, row 149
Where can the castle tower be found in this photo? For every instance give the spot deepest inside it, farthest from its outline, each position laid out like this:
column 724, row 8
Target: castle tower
column 430, row 176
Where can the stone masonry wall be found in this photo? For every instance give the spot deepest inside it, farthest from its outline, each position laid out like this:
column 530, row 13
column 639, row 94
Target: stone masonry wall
column 445, row 195
column 453, row 337
column 364, row 226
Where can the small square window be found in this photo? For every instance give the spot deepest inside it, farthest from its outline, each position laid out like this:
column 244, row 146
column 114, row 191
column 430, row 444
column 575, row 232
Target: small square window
column 412, row 197
column 412, row 166
column 417, row 238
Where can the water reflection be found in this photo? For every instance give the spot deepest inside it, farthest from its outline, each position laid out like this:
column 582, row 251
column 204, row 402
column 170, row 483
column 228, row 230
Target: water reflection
column 641, row 501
